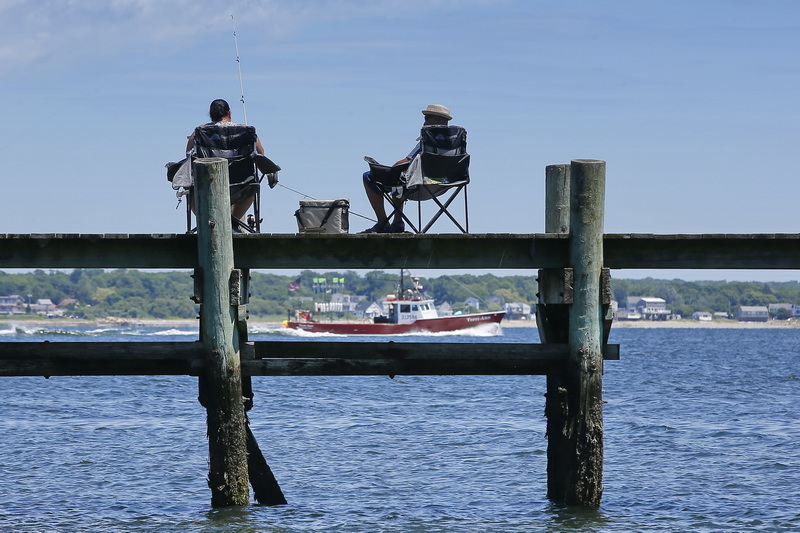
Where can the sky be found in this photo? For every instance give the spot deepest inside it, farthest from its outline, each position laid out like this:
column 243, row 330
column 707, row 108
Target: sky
column 692, row 105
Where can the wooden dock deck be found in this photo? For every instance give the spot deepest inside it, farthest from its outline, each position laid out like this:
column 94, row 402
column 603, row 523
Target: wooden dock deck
column 572, row 258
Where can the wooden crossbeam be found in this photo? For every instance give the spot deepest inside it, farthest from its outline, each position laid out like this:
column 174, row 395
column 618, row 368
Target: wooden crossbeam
column 279, row 358
column 391, row 251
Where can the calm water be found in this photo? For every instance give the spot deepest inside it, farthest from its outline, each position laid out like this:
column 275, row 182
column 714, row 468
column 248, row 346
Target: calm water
column 702, row 434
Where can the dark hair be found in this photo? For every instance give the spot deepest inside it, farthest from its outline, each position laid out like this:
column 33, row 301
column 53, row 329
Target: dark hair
column 218, row 110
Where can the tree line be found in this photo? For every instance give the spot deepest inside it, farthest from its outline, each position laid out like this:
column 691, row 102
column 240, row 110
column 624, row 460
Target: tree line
column 93, row 293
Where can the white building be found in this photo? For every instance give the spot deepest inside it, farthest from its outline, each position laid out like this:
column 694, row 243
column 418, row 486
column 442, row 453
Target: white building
column 653, row 308
column 473, row 303
column 12, row 305
column 517, row 310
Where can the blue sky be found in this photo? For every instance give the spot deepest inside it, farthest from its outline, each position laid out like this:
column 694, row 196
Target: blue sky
column 693, row 106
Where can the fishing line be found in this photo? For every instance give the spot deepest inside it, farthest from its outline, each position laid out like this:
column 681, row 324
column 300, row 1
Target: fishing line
column 465, row 288
column 294, row 191
column 239, row 68
column 312, row 198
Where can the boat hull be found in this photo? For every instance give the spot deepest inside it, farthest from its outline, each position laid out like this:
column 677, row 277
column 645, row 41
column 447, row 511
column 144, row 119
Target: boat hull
column 423, row 325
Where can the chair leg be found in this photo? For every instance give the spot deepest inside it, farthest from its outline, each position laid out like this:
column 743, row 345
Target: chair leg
column 419, row 214
column 443, row 209
column 257, row 211
column 466, row 210
column 237, row 223
column 391, row 215
column 410, row 224
column 189, row 228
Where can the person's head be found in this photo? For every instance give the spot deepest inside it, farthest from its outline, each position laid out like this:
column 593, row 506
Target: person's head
column 436, row 115
column 218, row 110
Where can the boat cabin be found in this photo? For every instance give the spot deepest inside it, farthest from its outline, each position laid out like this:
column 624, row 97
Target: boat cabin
column 408, row 311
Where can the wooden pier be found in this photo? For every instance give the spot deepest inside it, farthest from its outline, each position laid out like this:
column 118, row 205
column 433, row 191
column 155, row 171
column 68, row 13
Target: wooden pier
column 572, row 258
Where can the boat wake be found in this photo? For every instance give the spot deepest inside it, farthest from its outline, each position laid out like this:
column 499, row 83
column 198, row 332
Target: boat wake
column 37, row 331
column 18, row 330
column 174, row 332
column 288, row 332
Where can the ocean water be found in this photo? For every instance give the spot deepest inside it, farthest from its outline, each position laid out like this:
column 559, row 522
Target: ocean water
column 701, row 434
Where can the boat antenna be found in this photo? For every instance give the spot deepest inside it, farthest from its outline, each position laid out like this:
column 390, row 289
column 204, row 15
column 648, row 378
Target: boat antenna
column 239, row 68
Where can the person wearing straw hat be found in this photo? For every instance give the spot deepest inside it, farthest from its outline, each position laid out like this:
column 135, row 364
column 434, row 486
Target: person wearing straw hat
column 435, row 115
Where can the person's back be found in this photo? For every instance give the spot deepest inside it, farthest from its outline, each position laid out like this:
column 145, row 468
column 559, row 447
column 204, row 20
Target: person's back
column 223, row 138
column 444, row 139
column 234, row 142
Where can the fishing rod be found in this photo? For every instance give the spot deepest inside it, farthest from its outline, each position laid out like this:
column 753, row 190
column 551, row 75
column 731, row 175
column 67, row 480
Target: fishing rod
column 239, row 68
column 244, row 113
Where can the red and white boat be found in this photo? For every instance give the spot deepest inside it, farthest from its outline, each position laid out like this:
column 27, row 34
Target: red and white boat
column 408, row 312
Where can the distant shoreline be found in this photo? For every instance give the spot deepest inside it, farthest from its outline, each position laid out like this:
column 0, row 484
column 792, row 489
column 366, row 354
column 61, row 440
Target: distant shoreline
column 266, row 324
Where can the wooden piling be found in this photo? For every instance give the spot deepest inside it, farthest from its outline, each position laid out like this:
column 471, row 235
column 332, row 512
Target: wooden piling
column 574, row 391
column 556, row 215
column 585, row 368
column 222, row 379
column 552, row 310
column 552, row 321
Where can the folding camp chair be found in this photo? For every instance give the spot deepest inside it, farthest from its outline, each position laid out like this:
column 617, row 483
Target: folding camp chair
column 246, row 168
column 441, row 168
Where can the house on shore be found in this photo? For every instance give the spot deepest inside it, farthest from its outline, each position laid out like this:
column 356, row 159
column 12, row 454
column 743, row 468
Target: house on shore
column 517, row 311
column 752, row 313
column 12, row 305
column 647, row 308
column 473, row 302
column 445, row 309
column 784, row 310
column 369, row 309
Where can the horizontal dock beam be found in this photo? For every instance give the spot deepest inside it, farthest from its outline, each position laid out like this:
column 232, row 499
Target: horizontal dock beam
column 278, row 358
column 440, row 251
column 779, row 251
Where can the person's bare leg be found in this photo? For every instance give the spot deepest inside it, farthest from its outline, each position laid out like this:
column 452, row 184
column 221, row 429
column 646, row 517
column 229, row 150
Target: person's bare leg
column 397, row 203
column 239, row 209
column 376, row 202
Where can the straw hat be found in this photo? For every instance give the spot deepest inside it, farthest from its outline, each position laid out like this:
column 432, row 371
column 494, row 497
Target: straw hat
column 437, row 110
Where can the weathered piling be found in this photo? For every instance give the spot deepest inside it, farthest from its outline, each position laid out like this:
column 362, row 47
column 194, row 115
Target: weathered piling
column 221, row 381
column 552, row 311
column 585, row 367
column 574, row 391
column 552, row 321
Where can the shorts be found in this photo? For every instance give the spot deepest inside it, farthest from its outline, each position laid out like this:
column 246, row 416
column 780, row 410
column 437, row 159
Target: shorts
column 238, row 192
column 241, row 192
column 371, row 184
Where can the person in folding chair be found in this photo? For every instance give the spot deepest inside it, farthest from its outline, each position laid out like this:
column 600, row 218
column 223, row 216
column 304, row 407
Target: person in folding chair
column 387, row 182
column 247, row 166
column 236, row 139
column 437, row 167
